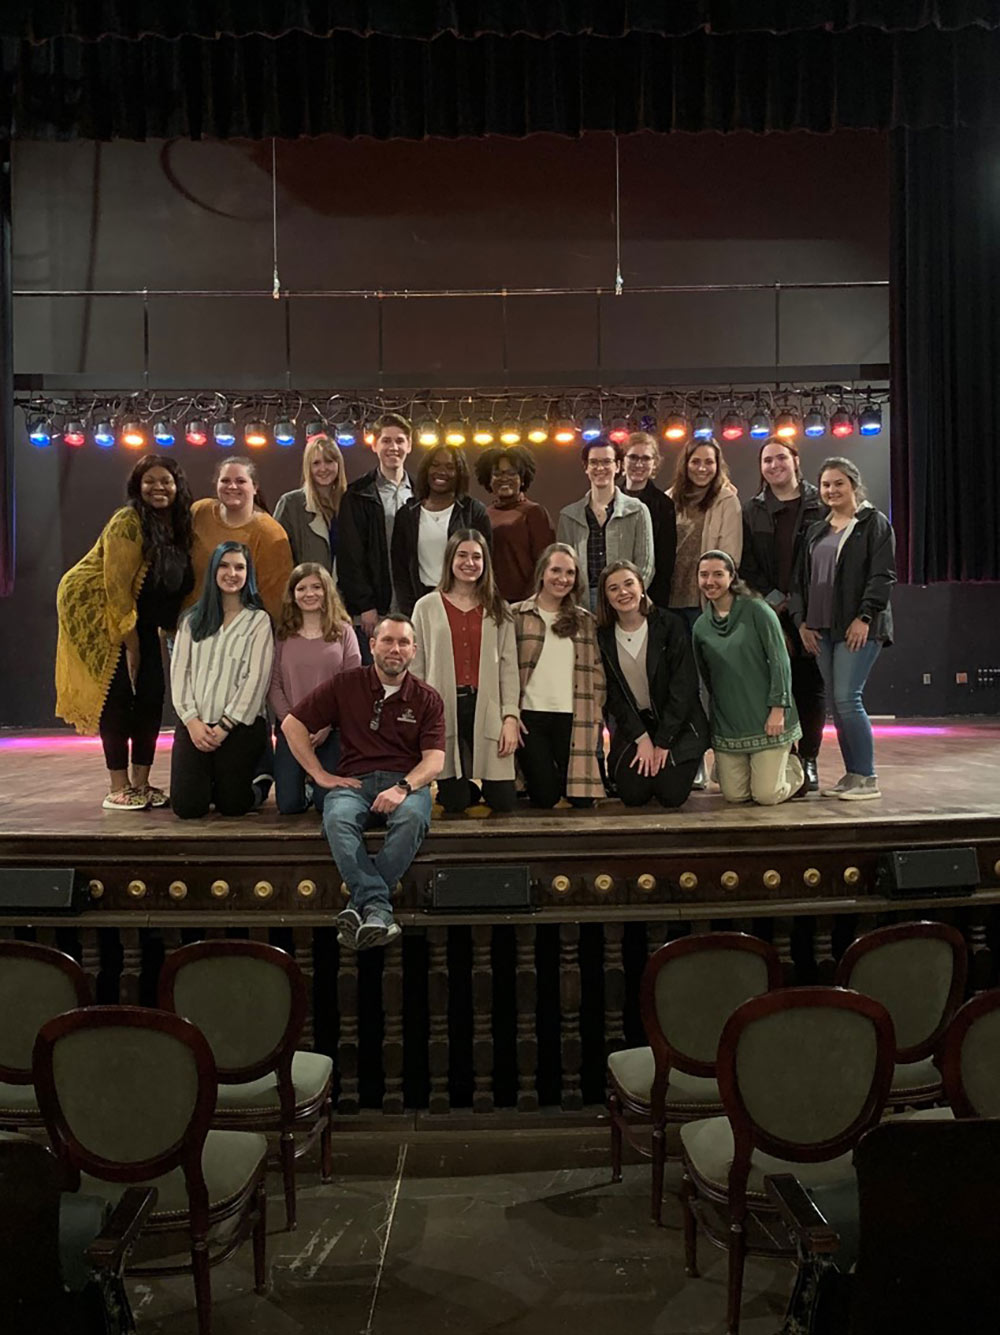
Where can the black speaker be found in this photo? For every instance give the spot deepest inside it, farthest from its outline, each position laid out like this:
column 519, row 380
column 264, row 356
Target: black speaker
column 38, row 890
column 928, row 871
column 481, row 889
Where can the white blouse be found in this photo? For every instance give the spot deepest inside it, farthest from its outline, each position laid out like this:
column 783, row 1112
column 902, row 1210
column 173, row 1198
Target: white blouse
column 227, row 673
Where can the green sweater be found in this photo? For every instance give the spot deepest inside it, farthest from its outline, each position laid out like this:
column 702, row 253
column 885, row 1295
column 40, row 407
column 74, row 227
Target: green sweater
column 744, row 663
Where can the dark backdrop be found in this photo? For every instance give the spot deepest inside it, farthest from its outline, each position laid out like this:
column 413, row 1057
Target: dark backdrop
column 537, row 212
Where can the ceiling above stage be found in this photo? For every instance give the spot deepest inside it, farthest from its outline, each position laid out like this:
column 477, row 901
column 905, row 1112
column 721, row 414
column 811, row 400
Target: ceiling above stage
column 104, row 69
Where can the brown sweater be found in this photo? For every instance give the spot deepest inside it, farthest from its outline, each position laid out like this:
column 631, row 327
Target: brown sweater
column 268, row 543
column 520, row 535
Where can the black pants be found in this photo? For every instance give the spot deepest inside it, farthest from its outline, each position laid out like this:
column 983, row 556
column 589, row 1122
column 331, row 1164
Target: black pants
column 460, row 792
column 810, row 700
column 134, row 716
column 544, row 758
column 223, row 778
column 671, row 787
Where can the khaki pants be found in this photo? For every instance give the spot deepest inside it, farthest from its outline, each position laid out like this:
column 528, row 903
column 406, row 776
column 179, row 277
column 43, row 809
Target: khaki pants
column 765, row 777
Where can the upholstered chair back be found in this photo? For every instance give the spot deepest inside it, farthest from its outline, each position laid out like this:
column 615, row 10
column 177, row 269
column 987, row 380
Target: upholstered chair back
column 971, row 1058
column 917, row 971
column 36, row 983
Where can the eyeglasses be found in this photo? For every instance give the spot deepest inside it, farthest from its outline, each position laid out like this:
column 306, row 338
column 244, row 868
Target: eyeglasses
column 375, row 722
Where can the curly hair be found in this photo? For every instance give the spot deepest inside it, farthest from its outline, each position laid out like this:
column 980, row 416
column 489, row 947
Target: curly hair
column 333, row 617
column 161, row 540
column 423, row 486
column 521, row 460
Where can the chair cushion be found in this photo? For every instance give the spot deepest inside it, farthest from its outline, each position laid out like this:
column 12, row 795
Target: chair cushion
column 633, row 1069
column 17, row 1099
column 922, row 1075
column 311, row 1072
column 708, row 1146
column 229, row 1161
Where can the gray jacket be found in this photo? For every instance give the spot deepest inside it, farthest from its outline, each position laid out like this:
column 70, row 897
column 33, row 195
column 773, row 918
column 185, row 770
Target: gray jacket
column 308, row 535
column 628, row 533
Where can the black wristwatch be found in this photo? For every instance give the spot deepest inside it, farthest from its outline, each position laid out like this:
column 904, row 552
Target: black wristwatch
column 405, row 785
column 865, row 618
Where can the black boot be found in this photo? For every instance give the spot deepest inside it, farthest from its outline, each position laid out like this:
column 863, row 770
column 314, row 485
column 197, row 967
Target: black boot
column 812, row 777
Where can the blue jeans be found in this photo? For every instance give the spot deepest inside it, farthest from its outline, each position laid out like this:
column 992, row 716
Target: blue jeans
column 347, row 814
column 290, row 777
column 844, row 676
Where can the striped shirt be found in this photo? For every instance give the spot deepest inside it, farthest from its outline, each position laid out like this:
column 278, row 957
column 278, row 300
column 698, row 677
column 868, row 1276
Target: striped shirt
column 227, row 673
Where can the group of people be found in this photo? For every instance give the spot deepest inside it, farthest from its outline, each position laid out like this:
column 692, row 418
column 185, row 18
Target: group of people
column 399, row 632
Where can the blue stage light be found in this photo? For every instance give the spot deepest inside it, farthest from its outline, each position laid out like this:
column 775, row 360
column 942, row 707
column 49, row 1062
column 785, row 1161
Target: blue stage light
column 163, row 434
column 346, row 434
column 284, row 433
column 104, row 435
column 703, row 427
column 40, row 432
column 760, row 425
column 591, row 429
column 224, row 433
column 870, row 420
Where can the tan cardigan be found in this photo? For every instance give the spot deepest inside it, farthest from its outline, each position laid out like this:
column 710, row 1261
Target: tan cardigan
column 722, row 530
column 499, row 687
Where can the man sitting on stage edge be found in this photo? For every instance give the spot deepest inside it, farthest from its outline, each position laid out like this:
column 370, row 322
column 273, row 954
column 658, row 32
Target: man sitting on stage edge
column 391, row 748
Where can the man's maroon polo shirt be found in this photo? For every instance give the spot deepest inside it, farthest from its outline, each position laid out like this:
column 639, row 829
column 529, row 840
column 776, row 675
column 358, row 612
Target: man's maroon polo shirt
column 412, row 720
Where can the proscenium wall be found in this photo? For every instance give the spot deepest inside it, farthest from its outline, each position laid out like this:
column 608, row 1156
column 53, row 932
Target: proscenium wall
column 439, row 215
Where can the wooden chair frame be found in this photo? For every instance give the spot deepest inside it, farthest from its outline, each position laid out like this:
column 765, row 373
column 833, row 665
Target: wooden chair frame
column 748, row 1136
column 627, row 1113
column 249, row 1206
column 951, row 1053
column 58, row 959
column 316, row 1117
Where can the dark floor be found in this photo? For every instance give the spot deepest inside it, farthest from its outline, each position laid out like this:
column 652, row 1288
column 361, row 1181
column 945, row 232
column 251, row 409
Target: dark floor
column 536, row 1252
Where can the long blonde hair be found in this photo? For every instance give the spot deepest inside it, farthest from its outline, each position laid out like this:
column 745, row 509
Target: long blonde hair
column 487, row 592
column 334, row 616
column 568, row 619
column 323, row 447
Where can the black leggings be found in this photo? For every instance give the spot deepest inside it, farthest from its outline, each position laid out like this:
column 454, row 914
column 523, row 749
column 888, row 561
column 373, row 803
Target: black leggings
column 460, row 792
column 544, row 758
column 671, row 787
column 199, row 779
column 134, row 716
column 809, row 695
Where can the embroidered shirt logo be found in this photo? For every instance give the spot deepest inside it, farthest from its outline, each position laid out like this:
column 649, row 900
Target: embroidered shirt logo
column 407, row 716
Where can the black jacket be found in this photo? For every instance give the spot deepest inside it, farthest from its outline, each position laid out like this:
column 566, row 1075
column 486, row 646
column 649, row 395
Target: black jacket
column 468, row 513
column 759, row 566
column 664, row 519
column 865, row 574
column 681, row 726
column 363, row 570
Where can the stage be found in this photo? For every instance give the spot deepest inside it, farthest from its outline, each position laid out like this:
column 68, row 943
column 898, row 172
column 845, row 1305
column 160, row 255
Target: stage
column 495, row 1009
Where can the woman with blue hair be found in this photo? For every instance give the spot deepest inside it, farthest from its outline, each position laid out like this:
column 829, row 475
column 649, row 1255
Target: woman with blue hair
column 219, row 676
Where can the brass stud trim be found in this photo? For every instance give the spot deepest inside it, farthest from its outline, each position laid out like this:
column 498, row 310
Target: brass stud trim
column 306, row 889
column 688, row 880
column 177, row 890
column 136, row 889
column 772, row 878
column 603, row 883
column 852, row 875
column 646, row 882
column 996, row 870
column 561, row 885
column 345, row 892
column 730, row 880
column 811, row 877
column 220, row 889
column 263, row 890
column 96, row 889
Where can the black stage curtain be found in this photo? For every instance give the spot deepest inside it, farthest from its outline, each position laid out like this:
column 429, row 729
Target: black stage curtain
column 39, row 20
column 388, row 87
column 945, row 272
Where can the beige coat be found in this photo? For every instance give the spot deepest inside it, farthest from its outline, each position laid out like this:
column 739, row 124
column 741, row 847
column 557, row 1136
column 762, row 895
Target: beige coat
column 499, row 687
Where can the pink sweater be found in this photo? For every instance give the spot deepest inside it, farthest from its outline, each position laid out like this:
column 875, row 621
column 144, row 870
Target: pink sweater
column 302, row 665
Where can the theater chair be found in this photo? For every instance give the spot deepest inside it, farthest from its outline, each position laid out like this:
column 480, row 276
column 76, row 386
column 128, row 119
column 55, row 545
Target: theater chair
column 249, row 1000
column 36, row 982
column 62, row 1252
column 911, row 1246
column 917, row 970
column 688, row 991
column 803, row 1073
column 970, row 1059
column 127, row 1095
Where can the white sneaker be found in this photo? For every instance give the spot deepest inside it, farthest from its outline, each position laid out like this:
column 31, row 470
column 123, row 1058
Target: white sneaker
column 843, row 783
column 863, row 790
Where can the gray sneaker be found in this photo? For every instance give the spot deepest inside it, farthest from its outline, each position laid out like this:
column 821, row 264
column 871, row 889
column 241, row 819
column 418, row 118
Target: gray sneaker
column 348, row 925
column 378, row 929
column 841, row 786
column 863, row 790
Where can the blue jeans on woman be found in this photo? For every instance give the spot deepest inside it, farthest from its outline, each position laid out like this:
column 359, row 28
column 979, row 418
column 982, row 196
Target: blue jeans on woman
column 844, row 676
column 290, row 778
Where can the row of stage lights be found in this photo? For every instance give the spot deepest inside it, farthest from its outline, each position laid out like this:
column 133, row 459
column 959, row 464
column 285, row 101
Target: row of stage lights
column 732, row 425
